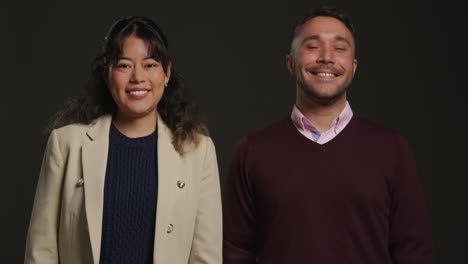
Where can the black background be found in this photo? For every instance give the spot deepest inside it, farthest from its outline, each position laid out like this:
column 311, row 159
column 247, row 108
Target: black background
column 411, row 77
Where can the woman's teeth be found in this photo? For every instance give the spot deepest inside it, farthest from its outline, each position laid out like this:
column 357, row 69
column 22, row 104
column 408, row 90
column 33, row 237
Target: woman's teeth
column 138, row 92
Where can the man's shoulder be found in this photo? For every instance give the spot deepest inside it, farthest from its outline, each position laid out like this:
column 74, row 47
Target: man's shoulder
column 268, row 136
column 272, row 131
column 369, row 127
column 264, row 140
column 375, row 133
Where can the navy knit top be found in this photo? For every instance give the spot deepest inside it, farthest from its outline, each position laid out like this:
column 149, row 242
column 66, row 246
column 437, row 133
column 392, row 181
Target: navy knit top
column 130, row 195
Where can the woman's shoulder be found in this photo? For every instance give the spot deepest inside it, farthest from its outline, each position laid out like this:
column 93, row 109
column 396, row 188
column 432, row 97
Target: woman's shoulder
column 70, row 134
column 199, row 148
column 73, row 128
column 79, row 129
column 77, row 133
column 206, row 142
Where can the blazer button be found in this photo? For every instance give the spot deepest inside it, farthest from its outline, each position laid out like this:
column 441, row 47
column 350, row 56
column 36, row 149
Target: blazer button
column 80, row 182
column 170, row 228
column 180, row 184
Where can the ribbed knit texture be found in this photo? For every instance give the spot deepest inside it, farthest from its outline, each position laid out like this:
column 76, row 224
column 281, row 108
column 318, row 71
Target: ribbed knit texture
column 130, row 195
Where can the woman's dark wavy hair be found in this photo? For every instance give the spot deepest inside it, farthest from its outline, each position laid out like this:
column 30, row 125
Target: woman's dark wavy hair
column 174, row 107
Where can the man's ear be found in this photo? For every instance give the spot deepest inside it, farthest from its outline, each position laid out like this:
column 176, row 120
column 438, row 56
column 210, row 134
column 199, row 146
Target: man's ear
column 354, row 66
column 105, row 78
column 290, row 63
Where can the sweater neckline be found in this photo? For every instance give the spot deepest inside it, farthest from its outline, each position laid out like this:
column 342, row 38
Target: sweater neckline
column 332, row 142
column 117, row 137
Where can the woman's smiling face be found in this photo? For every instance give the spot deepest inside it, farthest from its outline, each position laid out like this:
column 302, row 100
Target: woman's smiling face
column 137, row 80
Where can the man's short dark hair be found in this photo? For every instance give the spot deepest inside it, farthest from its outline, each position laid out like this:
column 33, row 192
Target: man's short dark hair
column 323, row 10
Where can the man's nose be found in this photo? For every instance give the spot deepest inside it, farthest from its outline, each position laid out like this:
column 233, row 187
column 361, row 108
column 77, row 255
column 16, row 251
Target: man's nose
column 326, row 56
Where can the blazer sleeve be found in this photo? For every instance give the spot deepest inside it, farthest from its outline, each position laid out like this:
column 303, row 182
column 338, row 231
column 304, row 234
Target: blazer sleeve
column 42, row 237
column 207, row 239
column 410, row 234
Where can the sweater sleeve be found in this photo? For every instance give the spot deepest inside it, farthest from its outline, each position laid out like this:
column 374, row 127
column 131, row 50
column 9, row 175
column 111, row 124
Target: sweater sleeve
column 410, row 235
column 239, row 211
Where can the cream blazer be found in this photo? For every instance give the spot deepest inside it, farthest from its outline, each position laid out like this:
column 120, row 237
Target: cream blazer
column 66, row 220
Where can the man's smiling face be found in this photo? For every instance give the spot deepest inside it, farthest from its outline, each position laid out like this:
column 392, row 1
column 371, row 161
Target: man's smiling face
column 322, row 59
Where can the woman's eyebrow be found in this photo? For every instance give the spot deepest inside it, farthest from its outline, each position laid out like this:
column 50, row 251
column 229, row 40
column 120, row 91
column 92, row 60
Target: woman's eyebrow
column 124, row 58
column 127, row 58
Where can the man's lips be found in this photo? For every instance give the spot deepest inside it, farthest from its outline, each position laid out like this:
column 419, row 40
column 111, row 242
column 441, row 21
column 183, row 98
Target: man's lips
column 324, row 74
column 325, row 71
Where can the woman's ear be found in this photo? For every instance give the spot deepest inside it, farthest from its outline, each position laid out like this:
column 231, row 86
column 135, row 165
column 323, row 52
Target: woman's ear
column 105, row 75
column 168, row 72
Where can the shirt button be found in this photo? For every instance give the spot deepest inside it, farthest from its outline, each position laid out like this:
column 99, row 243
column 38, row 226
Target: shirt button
column 80, row 182
column 180, row 184
column 170, row 228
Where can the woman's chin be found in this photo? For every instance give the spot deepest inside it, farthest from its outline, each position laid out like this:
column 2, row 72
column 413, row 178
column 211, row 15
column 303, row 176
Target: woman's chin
column 137, row 113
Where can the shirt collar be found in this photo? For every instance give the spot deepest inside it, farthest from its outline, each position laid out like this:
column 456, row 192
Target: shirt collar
column 302, row 123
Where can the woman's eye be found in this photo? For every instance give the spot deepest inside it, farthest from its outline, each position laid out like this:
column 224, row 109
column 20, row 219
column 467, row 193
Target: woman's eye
column 123, row 67
column 151, row 65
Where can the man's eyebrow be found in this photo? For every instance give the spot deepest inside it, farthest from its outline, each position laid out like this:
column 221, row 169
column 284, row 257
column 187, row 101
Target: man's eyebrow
column 340, row 38
column 317, row 37
column 313, row 37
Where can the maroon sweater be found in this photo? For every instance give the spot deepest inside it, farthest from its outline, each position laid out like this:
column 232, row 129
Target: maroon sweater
column 356, row 199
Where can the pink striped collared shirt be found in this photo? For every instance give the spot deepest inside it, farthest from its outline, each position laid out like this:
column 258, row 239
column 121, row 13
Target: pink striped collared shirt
column 309, row 131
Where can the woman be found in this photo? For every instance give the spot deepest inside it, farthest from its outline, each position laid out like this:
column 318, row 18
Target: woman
column 129, row 175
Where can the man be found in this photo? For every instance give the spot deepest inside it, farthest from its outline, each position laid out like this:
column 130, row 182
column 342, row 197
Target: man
column 325, row 185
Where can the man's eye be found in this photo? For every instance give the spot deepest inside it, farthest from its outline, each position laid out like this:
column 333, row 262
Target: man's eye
column 340, row 49
column 312, row 47
column 151, row 65
column 123, row 66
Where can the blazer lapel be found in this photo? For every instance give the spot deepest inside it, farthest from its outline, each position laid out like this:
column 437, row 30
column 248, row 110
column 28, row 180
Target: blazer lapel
column 169, row 168
column 94, row 158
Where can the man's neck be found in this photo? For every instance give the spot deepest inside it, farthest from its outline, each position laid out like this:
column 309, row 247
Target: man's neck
column 135, row 127
column 321, row 115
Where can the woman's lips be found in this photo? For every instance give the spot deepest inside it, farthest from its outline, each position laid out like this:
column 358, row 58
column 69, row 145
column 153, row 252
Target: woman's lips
column 138, row 93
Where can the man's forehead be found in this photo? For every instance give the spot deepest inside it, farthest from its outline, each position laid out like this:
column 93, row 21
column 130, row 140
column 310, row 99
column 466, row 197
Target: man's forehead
column 323, row 26
column 327, row 36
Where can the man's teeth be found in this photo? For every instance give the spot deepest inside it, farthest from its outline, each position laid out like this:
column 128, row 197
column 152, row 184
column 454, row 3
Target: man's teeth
column 325, row 74
column 138, row 92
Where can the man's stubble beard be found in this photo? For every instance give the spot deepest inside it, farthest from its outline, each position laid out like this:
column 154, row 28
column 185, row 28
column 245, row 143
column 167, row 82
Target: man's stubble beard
column 313, row 95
